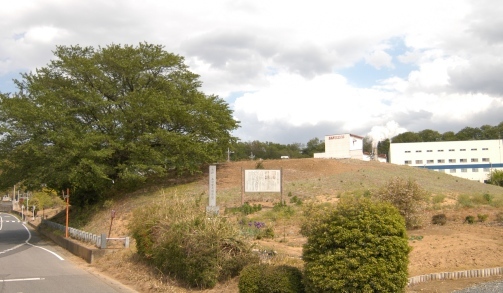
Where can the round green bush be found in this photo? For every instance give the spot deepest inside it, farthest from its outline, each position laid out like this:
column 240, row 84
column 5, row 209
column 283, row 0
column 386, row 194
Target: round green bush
column 259, row 278
column 360, row 246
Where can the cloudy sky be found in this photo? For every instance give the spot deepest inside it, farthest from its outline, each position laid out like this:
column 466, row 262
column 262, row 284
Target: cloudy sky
column 295, row 70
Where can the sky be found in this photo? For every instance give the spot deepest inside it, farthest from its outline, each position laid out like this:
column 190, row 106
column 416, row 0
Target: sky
column 296, row 70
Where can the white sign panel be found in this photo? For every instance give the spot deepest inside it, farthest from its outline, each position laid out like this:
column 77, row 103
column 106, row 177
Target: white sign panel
column 262, row 180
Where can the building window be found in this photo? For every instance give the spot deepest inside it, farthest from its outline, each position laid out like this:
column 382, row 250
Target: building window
column 463, row 160
column 430, row 162
column 485, row 159
column 485, row 149
column 441, row 161
column 474, row 160
column 452, row 160
column 419, row 161
column 475, row 169
column 462, row 150
column 407, row 162
column 440, row 150
column 451, row 150
column 452, row 171
column 487, row 170
column 407, row 152
column 474, row 149
column 464, row 170
column 418, row 151
column 429, row 151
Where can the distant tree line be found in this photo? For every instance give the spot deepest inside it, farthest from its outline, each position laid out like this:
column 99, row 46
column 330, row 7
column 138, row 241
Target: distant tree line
column 468, row 133
column 269, row 150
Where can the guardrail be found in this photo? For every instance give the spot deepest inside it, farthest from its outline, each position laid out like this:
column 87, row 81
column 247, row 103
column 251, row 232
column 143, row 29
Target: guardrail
column 99, row 240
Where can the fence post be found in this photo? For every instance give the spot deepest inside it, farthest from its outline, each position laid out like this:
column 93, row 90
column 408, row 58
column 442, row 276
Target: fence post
column 103, row 241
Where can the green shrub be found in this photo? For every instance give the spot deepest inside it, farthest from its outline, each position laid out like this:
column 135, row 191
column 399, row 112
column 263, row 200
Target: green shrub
column 282, row 210
column 245, row 209
column 296, row 200
column 488, row 197
column 482, row 217
column 439, row 219
column 360, row 246
column 496, row 177
column 469, row 219
column 407, row 196
column 259, row 278
column 439, row 198
column 177, row 237
column 464, row 200
column 482, row 199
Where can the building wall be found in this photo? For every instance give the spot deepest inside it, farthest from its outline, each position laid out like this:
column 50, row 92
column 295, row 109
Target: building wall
column 342, row 146
column 472, row 160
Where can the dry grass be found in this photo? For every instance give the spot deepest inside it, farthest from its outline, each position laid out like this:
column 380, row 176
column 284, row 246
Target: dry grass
column 311, row 180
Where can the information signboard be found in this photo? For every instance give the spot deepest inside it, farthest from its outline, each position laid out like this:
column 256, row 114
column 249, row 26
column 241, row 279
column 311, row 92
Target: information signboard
column 262, row 180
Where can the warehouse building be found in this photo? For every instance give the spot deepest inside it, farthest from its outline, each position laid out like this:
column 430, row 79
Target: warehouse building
column 342, row 146
column 473, row 160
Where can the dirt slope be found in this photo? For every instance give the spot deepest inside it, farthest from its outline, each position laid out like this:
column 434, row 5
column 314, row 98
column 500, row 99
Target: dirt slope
column 453, row 247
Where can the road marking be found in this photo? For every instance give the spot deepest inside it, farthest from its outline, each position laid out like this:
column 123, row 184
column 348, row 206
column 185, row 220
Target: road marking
column 20, row 280
column 29, row 237
column 27, row 242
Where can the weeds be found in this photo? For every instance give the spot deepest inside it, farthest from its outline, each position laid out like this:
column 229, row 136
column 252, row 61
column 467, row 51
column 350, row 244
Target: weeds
column 482, row 217
column 439, row 219
column 469, row 219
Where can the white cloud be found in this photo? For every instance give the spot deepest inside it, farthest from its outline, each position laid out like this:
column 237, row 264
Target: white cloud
column 279, row 63
column 42, row 34
column 379, row 59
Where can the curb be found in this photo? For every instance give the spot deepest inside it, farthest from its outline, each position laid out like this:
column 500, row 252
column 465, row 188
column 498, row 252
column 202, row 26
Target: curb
column 477, row 273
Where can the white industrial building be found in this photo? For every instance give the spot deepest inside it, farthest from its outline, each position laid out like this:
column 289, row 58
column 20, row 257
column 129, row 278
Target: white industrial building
column 473, row 160
column 342, row 146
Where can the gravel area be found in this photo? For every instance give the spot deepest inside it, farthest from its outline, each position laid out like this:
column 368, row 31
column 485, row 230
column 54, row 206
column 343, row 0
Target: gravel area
column 490, row 287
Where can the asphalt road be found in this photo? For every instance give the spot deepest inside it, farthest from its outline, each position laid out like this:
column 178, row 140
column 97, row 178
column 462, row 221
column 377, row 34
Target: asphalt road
column 29, row 264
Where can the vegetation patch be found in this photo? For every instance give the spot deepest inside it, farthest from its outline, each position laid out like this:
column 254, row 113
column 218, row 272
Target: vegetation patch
column 259, row 278
column 180, row 240
column 439, row 219
column 360, row 246
column 407, row 196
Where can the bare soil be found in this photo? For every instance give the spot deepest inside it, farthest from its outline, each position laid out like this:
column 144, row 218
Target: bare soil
column 454, row 246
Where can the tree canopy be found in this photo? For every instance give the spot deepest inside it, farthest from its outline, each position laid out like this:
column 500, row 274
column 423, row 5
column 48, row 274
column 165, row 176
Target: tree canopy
column 467, row 133
column 97, row 116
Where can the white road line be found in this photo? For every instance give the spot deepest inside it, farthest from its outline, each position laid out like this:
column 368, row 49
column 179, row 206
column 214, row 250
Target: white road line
column 20, row 280
column 27, row 242
column 29, row 237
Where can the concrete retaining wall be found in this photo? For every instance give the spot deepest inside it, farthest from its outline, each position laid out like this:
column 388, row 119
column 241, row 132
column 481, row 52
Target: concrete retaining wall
column 88, row 254
column 477, row 273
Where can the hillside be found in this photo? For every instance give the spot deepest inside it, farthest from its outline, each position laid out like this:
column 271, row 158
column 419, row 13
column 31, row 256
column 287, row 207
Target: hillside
column 455, row 246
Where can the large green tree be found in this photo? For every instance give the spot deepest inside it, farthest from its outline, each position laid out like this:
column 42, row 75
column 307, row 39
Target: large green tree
column 95, row 116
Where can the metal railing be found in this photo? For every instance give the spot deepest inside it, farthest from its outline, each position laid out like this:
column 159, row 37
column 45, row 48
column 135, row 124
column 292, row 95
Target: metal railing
column 98, row 240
